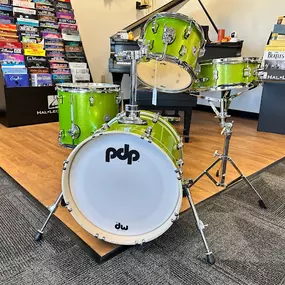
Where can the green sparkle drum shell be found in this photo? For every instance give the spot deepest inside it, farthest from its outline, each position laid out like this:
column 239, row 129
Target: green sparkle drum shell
column 227, row 73
column 163, row 134
column 92, row 106
column 181, row 55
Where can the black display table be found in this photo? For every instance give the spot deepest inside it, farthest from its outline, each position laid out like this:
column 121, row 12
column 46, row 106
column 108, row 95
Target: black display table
column 167, row 101
column 21, row 106
column 272, row 108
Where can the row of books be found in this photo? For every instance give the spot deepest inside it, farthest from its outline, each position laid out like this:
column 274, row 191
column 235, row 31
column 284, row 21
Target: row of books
column 40, row 43
column 274, row 53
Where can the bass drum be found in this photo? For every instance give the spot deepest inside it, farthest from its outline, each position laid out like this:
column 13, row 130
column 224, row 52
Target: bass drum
column 123, row 185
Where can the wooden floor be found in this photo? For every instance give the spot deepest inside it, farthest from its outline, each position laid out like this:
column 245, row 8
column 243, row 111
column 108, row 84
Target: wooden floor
column 33, row 158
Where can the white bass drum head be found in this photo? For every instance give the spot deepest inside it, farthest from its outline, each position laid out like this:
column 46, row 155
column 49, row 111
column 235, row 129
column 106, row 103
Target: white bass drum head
column 121, row 188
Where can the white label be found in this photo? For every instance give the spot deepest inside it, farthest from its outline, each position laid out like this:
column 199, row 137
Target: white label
column 154, row 96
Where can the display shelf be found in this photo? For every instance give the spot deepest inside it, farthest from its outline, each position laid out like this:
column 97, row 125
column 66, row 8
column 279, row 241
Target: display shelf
column 27, row 106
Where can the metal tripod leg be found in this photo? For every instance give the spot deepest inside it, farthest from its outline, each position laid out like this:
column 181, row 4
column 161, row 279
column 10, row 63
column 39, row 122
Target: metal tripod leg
column 200, row 226
column 242, row 176
column 52, row 209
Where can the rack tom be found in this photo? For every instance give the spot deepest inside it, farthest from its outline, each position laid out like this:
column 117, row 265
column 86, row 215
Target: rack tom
column 227, row 73
column 175, row 42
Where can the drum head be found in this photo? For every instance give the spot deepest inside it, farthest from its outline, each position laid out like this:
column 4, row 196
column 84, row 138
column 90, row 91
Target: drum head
column 121, row 188
column 170, row 77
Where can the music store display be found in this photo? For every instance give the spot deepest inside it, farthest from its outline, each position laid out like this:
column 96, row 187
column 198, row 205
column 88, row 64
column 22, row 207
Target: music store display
column 132, row 164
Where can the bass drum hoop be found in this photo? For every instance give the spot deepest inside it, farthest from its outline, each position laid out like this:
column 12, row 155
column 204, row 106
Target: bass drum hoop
column 96, row 231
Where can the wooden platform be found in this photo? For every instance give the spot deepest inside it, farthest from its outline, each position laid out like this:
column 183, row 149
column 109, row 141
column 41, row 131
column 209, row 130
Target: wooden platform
column 33, row 158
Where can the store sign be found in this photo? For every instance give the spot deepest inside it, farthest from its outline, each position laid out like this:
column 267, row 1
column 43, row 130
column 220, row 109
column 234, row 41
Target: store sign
column 52, row 106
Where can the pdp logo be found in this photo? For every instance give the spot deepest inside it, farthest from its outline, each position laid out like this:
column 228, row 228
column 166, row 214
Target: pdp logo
column 122, row 154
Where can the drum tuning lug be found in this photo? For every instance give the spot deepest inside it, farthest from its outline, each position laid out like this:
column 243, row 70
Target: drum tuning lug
column 154, row 27
column 216, row 74
column 187, row 32
column 65, row 163
column 69, row 210
column 169, row 35
column 155, row 118
column 183, row 50
column 103, row 238
column 97, row 236
column 91, row 101
column 177, row 216
column 180, row 146
column 180, row 163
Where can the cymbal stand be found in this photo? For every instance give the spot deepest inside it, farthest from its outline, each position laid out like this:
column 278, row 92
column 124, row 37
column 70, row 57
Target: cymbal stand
column 224, row 158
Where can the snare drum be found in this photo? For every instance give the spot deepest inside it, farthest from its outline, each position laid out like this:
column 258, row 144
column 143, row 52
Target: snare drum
column 84, row 108
column 227, row 73
column 175, row 43
column 123, row 185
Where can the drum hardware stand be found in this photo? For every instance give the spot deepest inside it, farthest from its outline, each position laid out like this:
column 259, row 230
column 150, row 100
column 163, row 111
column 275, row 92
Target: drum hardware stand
column 52, row 209
column 187, row 184
column 132, row 115
column 224, row 157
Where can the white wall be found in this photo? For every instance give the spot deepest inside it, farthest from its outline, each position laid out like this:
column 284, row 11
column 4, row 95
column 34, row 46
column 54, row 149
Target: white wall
column 97, row 21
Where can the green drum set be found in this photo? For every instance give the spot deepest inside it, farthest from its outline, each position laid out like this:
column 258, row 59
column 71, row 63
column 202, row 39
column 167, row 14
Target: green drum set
column 123, row 180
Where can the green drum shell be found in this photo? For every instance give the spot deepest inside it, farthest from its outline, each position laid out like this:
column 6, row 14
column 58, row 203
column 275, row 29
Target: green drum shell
column 230, row 73
column 163, row 134
column 87, row 116
column 195, row 42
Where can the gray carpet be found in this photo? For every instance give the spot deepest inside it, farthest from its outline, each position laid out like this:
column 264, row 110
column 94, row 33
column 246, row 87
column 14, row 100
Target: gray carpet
column 248, row 242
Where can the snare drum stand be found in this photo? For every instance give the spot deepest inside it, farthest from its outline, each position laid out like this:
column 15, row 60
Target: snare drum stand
column 224, row 159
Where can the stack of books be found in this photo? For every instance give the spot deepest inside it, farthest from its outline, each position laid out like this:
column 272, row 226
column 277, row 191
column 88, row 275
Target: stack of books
column 274, row 53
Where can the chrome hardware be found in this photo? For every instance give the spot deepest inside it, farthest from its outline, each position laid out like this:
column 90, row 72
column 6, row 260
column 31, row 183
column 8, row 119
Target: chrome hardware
column 247, row 72
column 198, row 68
column 150, row 44
column 60, row 99
column 194, row 50
column 155, row 27
column 180, row 163
column 176, row 217
column 187, row 32
column 65, row 163
column 105, row 127
column 69, row 210
column 147, row 134
column 169, row 35
column 91, row 101
column 107, row 118
column 155, row 118
column 180, row 144
column 74, row 132
column 216, row 74
column 97, row 236
column 118, row 100
column 202, row 52
column 183, row 50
